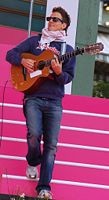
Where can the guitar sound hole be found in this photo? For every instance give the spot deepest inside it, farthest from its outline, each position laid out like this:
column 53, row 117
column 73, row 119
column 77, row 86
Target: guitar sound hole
column 41, row 65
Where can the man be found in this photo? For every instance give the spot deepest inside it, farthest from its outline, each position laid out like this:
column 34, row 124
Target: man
column 43, row 107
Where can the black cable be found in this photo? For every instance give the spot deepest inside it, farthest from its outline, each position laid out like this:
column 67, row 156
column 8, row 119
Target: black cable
column 2, row 112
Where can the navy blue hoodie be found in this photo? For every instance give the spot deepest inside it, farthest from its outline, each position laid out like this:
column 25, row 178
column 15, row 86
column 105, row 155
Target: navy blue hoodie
column 51, row 88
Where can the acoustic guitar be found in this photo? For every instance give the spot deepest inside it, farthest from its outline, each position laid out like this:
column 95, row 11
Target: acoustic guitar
column 29, row 82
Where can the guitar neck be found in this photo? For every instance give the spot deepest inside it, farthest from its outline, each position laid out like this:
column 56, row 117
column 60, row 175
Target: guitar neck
column 90, row 49
column 68, row 55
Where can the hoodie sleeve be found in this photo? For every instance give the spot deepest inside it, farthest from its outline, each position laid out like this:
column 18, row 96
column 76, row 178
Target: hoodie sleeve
column 13, row 56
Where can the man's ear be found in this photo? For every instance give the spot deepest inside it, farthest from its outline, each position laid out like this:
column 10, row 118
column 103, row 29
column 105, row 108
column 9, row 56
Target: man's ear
column 64, row 25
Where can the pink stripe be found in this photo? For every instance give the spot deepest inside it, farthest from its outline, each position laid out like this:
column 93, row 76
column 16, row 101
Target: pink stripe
column 14, row 130
column 13, row 148
column 83, row 156
column 12, row 113
column 81, row 174
column 66, row 136
column 70, row 102
column 13, row 167
column 78, row 193
column 11, row 186
column 84, row 138
column 11, row 95
column 85, row 121
column 86, row 104
column 76, row 174
column 63, row 154
column 67, row 191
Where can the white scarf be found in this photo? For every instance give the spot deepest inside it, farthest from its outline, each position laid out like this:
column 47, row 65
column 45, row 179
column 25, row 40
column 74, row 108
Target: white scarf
column 49, row 36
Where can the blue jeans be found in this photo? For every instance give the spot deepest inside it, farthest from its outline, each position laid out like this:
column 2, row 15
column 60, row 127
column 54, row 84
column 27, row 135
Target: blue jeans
column 43, row 117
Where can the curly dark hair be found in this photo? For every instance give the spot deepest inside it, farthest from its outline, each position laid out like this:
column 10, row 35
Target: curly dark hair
column 65, row 16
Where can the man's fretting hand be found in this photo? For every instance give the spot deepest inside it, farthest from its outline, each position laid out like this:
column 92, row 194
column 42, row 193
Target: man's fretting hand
column 56, row 66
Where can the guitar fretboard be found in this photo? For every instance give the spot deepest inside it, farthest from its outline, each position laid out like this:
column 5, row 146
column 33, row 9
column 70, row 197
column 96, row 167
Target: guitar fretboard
column 71, row 54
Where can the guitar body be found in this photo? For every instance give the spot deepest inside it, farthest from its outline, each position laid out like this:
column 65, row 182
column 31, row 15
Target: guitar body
column 31, row 84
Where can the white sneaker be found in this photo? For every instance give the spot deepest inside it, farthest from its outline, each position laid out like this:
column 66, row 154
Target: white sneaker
column 45, row 194
column 31, row 172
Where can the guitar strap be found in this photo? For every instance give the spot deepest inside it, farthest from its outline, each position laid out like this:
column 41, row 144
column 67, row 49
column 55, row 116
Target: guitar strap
column 63, row 48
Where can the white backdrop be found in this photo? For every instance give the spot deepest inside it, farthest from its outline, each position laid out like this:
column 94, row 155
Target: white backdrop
column 71, row 6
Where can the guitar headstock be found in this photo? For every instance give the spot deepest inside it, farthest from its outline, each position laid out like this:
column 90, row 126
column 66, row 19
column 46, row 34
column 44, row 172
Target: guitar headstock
column 94, row 49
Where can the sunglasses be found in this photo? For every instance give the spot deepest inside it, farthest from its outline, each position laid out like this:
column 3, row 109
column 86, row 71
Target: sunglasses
column 54, row 19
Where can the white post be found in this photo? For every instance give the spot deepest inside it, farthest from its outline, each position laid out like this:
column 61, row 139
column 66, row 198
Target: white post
column 30, row 18
column 71, row 6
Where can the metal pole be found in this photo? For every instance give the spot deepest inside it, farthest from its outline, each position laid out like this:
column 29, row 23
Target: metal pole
column 100, row 19
column 30, row 18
